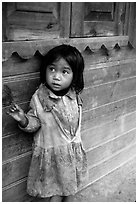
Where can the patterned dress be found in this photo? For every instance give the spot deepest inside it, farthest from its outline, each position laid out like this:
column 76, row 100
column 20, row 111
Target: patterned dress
column 59, row 162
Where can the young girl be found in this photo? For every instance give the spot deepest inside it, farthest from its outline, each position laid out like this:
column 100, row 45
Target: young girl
column 59, row 164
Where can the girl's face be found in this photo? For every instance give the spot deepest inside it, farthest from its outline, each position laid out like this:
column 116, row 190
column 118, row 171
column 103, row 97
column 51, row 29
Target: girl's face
column 59, row 75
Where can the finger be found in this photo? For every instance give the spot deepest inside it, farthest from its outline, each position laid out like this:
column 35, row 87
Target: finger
column 8, row 113
column 17, row 107
column 12, row 109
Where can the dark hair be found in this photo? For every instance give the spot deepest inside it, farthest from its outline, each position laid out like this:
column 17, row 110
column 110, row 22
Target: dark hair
column 73, row 58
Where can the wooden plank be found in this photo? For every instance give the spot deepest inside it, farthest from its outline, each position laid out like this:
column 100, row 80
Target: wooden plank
column 31, row 20
column 15, row 169
column 27, row 84
column 106, row 72
column 90, row 118
column 5, row 25
column 94, row 57
column 16, row 192
column 20, row 142
column 106, row 150
column 96, row 43
column 22, row 34
column 107, row 113
column 132, row 24
column 107, row 166
column 120, row 20
column 36, row 6
column 27, row 49
column 92, row 96
column 16, row 65
column 77, row 18
column 102, row 133
column 65, row 12
column 38, row 21
column 127, row 14
column 98, row 6
column 99, row 28
column 18, row 168
column 108, row 92
column 16, row 144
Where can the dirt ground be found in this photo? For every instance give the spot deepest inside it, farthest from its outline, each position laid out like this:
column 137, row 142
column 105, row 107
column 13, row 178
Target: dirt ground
column 118, row 186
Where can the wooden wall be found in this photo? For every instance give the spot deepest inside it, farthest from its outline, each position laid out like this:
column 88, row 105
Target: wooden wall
column 108, row 122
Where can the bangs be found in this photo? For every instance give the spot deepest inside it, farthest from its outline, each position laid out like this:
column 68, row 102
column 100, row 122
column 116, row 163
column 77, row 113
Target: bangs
column 73, row 57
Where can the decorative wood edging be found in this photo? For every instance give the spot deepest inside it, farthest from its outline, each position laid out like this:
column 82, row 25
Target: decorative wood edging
column 27, row 49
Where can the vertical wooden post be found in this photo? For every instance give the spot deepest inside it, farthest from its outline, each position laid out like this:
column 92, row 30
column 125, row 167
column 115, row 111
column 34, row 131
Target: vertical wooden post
column 4, row 22
column 127, row 13
column 77, row 19
column 120, row 17
column 132, row 24
column 65, row 15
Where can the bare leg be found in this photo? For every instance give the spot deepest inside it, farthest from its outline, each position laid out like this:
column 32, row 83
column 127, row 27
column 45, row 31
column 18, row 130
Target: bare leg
column 68, row 198
column 56, row 198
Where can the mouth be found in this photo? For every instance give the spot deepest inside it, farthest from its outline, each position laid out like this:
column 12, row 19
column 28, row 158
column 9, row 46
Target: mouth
column 56, row 85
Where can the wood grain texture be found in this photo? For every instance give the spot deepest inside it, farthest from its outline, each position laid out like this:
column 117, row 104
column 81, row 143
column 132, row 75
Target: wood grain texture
column 26, row 49
column 16, row 192
column 16, row 144
column 103, row 114
column 77, row 19
column 16, row 168
column 65, row 12
column 13, row 169
column 90, row 117
column 92, row 96
column 16, row 65
column 95, row 136
column 26, row 84
column 112, row 163
column 36, row 6
column 106, row 150
column 107, row 72
column 99, row 28
column 108, row 92
column 108, row 118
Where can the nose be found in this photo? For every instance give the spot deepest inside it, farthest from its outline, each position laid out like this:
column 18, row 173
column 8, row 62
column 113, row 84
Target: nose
column 57, row 76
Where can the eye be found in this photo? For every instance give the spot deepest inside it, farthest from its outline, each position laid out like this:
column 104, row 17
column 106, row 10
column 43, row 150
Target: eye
column 65, row 72
column 52, row 69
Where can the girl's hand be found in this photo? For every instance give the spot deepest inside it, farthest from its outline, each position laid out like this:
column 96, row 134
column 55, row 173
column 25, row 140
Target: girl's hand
column 17, row 113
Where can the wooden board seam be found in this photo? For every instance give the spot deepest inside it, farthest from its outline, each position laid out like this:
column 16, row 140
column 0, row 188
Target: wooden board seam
column 118, row 152
column 5, row 188
column 111, row 139
column 17, row 157
column 106, row 123
column 110, row 82
column 20, row 77
column 114, row 169
column 109, row 64
column 85, row 111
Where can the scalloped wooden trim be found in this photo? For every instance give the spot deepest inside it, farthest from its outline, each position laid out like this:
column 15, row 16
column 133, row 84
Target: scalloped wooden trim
column 27, row 49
